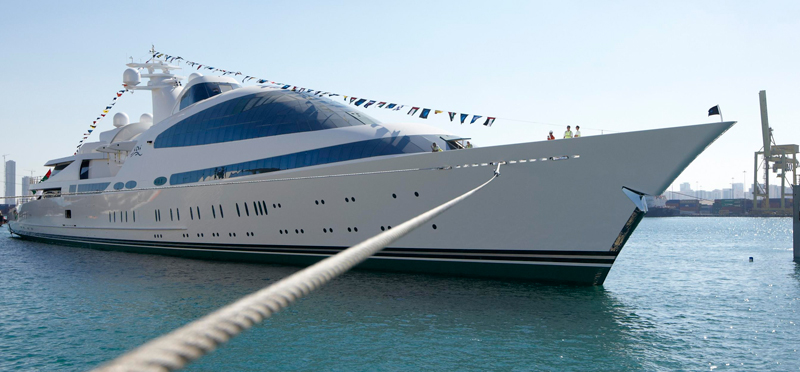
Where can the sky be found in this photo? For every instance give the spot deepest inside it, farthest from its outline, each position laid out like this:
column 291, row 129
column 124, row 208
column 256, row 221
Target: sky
column 612, row 66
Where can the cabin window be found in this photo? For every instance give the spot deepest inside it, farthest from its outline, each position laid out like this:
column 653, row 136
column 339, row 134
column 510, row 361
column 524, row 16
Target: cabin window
column 67, row 213
column 85, row 169
column 257, row 115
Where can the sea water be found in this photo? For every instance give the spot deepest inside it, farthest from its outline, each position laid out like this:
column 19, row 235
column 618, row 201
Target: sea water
column 682, row 295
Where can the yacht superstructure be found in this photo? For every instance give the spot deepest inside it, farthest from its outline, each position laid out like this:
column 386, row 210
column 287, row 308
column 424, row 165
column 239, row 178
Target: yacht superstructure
column 256, row 173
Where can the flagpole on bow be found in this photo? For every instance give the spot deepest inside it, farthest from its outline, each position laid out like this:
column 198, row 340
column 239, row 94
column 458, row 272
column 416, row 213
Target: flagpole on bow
column 720, row 113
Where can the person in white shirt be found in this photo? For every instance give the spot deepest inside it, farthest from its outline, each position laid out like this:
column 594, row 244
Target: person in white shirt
column 577, row 131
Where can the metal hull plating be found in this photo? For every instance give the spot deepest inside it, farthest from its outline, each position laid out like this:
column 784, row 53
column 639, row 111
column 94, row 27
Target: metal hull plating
column 547, row 218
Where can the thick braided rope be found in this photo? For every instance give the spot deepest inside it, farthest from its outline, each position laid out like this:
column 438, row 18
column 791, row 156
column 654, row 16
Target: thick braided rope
column 188, row 343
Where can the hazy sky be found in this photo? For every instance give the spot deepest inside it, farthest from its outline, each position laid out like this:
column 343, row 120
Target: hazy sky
column 611, row 65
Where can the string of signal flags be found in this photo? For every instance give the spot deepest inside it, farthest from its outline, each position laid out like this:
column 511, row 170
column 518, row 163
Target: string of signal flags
column 100, row 117
column 358, row 101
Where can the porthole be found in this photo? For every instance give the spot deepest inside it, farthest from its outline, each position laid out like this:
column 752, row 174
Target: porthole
column 330, row 229
column 353, row 198
column 279, row 205
column 274, row 206
column 434, row 226
column 346, row 200
column 394, row 196
column 119, row 186
column 302, row 232
column 252, row 234
column 355, row 229
column 349, row 230
column 130, row 184
column 160, row 181
column 296, row 231
column 325, row 230
column 322, row 201
column 383, row 228
column 248, row 234
column 416, row 194
column 316, row 202
column 281, row 231
column 388, row 227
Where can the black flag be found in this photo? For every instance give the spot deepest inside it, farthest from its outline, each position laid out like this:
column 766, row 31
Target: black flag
column 713, row 111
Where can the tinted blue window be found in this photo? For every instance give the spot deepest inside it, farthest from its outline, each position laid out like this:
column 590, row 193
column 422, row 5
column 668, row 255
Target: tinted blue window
column 202, row 91
column 91, row 187
column 160, row 181
column 119, row 186
column 332, row 154
column 257, row 115
column 130, row 184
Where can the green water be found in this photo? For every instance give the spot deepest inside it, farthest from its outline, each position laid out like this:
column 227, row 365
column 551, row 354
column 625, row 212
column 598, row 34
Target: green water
column 682, row 296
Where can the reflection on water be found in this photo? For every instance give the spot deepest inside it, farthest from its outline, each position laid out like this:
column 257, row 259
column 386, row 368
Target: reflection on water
column 682, row 296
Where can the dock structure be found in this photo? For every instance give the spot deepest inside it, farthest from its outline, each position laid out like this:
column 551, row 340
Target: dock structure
column 796, row 222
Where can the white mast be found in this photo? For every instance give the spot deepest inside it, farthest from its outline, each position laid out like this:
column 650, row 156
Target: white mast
column 164, row 86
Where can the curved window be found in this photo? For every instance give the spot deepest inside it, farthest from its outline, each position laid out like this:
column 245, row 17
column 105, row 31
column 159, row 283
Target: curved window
column 325, row 155
column 258, row 115
column 130, row 184
column 119, row 186
column 201, row 91
column 160, row 181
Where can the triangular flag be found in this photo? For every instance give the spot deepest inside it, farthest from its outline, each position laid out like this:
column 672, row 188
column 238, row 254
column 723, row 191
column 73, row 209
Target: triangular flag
column 475, row 117
column 424, row 114
column 413, row 111
column 437, row 112
column 452, row 115
column 105, row 111
column 352, row 99
column 90, row 131
column 391, row 105
column 489, row 121
column 371, row 102
column 380, row 104
column 399, row 107
column 463, row 117
column 359, row 102
column 345, row 98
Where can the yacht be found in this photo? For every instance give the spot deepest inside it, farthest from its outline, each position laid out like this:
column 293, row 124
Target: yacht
column 259, row 173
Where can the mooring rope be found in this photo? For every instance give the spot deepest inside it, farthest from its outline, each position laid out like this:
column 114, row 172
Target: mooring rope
column 176, row 349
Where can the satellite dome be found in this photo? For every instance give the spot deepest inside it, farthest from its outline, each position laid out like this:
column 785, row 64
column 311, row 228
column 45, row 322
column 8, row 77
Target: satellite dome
column 121, row 119
column 194, row 75
column 131, row 77
column 146, row 119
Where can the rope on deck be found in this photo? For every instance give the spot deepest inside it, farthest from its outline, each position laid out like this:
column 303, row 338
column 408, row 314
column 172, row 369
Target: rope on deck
column 176, row 349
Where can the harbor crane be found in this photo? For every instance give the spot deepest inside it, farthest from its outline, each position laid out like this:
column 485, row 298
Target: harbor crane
column 782, row 159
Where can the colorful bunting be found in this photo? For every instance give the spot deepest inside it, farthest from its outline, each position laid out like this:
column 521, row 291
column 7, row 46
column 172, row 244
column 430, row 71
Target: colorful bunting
column 357, row 101
column 93, row 125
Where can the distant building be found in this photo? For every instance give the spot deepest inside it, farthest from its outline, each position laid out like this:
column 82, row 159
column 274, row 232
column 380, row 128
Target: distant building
column 11, row 175
column 26, row 186
column 686, row 187
column 738, row 191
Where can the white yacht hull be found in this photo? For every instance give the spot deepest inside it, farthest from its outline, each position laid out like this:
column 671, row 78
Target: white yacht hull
column 546, row 220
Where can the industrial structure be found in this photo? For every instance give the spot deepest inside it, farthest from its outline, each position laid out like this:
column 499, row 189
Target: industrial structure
column 782, row 159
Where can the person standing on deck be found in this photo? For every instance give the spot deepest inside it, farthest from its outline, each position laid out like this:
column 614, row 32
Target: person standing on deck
column 550, row 136
column 568, row 133
column 577, row 131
